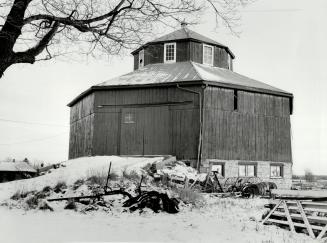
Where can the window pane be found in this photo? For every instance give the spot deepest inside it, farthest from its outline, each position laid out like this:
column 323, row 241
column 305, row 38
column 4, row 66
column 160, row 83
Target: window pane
column 275, row 171
column 208, row 55
column 250, row 170
column 129, row 118
column 218, row 168
column 170, row 52
column 241, row 170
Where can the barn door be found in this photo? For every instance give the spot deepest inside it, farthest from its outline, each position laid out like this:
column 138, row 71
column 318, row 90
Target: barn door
column 156, row 130
column 131, row 139
column 145, row 131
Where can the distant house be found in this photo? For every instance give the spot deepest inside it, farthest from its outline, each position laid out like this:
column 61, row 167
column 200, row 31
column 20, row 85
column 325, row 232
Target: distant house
column 183, row 98
column 10, row 171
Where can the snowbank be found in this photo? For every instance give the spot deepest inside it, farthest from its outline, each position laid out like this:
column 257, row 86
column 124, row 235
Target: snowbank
column 222, row 220
column 76, row 169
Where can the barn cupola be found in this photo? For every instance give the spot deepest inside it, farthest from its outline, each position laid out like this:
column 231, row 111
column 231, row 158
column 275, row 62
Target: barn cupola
column 183, row 45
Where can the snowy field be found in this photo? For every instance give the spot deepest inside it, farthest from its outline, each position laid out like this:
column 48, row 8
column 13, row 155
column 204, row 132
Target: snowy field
column 219, row 220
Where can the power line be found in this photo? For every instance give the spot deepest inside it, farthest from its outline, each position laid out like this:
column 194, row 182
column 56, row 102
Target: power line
column 272, row 10
column 32, row 123
column 33, row 140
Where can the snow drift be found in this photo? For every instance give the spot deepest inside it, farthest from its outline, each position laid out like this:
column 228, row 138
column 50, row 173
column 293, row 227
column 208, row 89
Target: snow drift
column 72, row 170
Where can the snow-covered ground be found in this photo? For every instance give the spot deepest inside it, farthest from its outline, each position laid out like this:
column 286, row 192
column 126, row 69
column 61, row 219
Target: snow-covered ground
column 226, row 220
column 76, row 169
column 220, row 220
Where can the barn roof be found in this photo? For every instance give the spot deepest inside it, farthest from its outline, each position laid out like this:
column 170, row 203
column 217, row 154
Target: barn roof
column 186, row 73
column 190, row 71
column 16, row 167
column 186, row 34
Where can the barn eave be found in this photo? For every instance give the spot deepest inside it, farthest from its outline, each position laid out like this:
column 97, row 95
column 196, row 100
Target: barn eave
column 130, row 86
column 185, row 73
column 226, row 48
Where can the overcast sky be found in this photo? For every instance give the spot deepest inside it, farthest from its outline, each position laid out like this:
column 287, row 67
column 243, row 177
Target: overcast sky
column 283, row 43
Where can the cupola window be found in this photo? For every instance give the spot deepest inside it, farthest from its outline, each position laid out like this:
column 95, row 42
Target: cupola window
column 170, row 52
column 208, row 55
column 141, row 58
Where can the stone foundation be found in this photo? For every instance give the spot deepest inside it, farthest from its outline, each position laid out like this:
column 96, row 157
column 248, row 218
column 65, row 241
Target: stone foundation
column 262, row 170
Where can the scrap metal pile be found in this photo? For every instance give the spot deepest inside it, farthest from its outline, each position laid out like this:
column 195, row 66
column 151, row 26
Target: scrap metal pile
column 179, row 174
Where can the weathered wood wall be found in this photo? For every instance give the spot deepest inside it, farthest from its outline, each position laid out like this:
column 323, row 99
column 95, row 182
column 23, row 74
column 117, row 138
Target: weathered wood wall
column 153, row 54
column 182, row 51
column 183, row 119
column 185, row 51
column 220, row 58
column 196, row 52
column 259, row 130
column 136, row 61
column 81, row 127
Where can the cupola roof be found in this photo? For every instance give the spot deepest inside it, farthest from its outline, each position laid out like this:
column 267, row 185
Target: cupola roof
column 185, row 34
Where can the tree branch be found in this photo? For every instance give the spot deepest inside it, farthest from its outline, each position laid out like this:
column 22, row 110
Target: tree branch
column 29, row 55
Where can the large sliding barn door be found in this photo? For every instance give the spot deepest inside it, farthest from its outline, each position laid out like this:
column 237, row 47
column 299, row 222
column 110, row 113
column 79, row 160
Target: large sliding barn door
column 145, row 131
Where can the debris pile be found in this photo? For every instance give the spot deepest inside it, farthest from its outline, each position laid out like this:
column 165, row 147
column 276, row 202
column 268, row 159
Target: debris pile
column 180, row 175
column 90, row 194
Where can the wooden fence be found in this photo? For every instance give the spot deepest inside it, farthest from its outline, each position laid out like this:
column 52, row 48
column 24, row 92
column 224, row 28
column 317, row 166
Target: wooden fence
column 299, row 215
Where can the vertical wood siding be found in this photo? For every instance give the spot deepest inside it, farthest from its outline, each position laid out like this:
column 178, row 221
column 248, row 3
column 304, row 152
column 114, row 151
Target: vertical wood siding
column 81, row 127
column 220, row 58
column 182, row 51
column 185, row 51
column 258, row 130
column 183, row 120
column 136, row 61
column 153, row 54
column 196, row 52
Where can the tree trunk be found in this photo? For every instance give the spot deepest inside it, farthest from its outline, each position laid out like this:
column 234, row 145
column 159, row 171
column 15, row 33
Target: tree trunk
column 10, row 32
column 3, row 65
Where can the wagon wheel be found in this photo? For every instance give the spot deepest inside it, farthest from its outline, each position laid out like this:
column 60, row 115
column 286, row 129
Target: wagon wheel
column 249, row 192
column 231, row 188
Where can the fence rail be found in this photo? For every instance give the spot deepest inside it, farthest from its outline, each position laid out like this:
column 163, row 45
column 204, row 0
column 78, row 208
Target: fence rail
column 299, row 215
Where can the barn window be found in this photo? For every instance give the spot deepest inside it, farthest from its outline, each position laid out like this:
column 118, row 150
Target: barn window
column 218, row 167
column 129, row 117
column 276, row 171
column 235, row 100
column 170, row 52
column 208, row 55
column 141, row 58
column 247, row 170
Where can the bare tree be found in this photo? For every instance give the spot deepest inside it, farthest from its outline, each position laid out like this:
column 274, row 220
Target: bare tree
column 32, row 30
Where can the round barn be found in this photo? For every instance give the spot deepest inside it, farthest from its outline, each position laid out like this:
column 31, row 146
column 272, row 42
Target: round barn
column 184, row 99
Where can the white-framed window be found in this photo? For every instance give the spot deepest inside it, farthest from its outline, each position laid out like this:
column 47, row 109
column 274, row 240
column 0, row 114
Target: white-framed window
column 247, row 170
column 276, row 171
column 208, row 54
column 141, row 58
column 170, row 52
column 218, row 167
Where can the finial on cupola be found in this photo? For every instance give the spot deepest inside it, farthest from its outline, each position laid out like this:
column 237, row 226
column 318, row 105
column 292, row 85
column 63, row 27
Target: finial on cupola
column 183, row 23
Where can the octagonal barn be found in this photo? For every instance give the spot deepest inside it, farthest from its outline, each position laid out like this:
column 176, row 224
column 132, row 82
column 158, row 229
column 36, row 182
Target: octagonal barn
column 184, row 99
